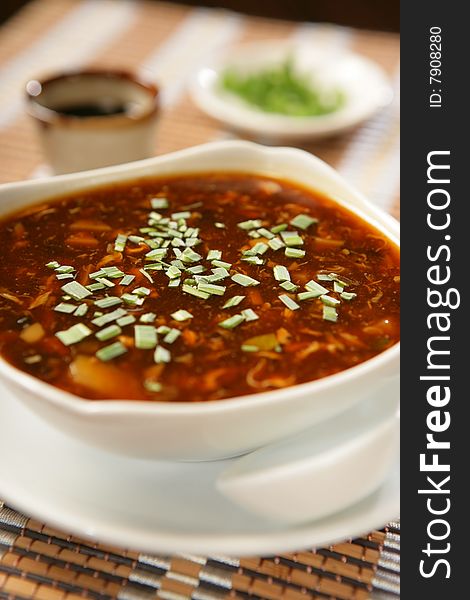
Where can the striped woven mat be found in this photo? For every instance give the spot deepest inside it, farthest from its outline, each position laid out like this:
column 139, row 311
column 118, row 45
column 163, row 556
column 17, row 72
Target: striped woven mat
column 166, row 42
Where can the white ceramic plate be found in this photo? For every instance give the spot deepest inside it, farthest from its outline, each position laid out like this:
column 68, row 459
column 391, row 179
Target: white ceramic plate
column 152, row 506
column 364, row 84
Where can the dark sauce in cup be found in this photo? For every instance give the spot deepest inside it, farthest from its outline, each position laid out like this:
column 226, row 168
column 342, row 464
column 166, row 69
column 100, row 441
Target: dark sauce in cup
column 92, row 110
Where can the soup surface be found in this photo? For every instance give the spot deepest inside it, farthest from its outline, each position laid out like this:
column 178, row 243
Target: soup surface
column 193, row 288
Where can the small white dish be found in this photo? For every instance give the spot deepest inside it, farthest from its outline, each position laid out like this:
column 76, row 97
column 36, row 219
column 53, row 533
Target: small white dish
column 122, row 129
column 321, row 471
column 207, row 430
column 159, row 507
column 365, row 86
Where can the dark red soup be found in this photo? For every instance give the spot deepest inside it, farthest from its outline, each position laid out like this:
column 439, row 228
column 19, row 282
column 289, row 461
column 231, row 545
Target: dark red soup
column 193, row 288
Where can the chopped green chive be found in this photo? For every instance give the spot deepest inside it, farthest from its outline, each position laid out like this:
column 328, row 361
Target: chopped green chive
column 156, row 254
column 163, row 329
column 173, row 233
column 112, row 351
column 329, row 301
column 161, row 355
column 145, row 337
column 152, row 386
column 136, row 239
column 185, row 214
column 74, row 334
column 250, row 224
column 214, row 255
column 218, row 274
column 232, row 322
column 253, row 260
column 148, row 317
column 324, row 277
column 294, row 252
column 234, row 301
column 260, row 248
column 249, row 314
column 126, row 320
column 96, row 274
column 222, row 264
column 157, row 203
column 174, row 282
column 291, row 304
column 192, row 242
column 281, row 273
column 244, row 280
column 249, row 348
column 189, row 289
column 132, row 299
column 303, row 221
column 289, row 286
column 108, row 302
column 81, row 310
column 108, row 332
column 181, row 315
column 120, row 242
column 211, row 288
column 53, row 264
column 195, row 270
column 313, row 286
column 189, row 255
column 308, row 295
column 265, row 233
column 330, row 314
column 65, row 269
column 63, row 307
column 276, row 243
column 127, row 279
column 338, row 287
column 76, row 290
column 348, row 295
column 142, row 291
column 94, row 287
column 112, row 272
column 62, row 276
column 154, row 267
column 219, row 225
column 153, row 244
column 291, row 238
column 102, row 320
column 279, row 228
column 171, row 336
column 173, row 272
column 105, row 282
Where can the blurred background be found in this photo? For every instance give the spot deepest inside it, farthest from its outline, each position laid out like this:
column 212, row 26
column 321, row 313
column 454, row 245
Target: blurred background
column 370, row 14
column 167, row 42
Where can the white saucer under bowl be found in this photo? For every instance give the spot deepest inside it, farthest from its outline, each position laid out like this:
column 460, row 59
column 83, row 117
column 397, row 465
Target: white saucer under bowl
column 152, row 506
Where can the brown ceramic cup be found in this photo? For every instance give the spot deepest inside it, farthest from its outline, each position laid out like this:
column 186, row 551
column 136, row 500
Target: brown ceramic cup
column 93, row 118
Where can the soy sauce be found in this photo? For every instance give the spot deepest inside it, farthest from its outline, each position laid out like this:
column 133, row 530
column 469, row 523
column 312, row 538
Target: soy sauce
column 92, row 110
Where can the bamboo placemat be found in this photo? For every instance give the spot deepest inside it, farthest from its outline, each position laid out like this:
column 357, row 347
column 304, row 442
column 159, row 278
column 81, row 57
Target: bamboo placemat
column 42, row 563
column 167, row 42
